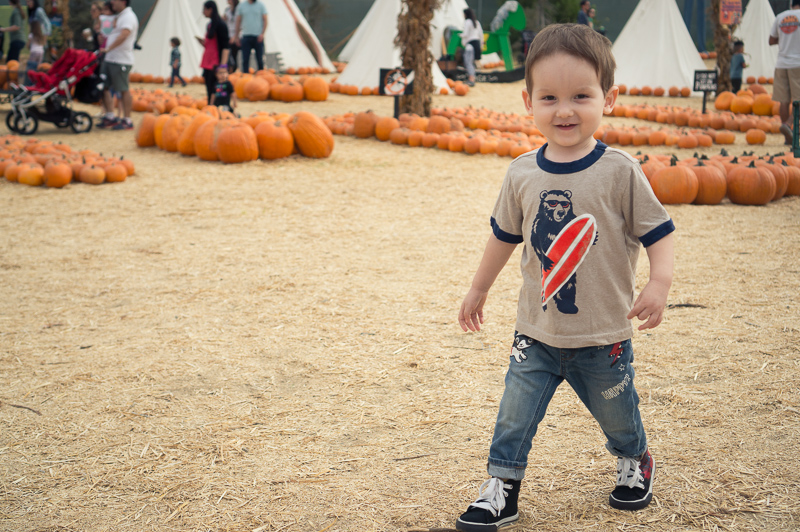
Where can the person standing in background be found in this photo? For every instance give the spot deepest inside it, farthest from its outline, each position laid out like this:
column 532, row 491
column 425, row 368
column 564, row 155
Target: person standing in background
column 118, row 63
column 215, row 47
column 14, row 31
column 583, row 12
column 737, row 66
column 472, row 40
column 230, row 20
column 786, row 86
column 251, row 25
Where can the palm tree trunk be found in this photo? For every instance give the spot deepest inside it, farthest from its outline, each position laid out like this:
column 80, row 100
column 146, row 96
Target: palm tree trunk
column 722, row 44
column 413, row 39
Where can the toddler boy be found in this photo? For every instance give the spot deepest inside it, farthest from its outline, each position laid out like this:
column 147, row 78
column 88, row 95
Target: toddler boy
column 581, row 210
column 175, row 62
column 737, row 66
column 224, row 96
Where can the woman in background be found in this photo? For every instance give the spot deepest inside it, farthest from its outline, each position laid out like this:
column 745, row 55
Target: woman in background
column 215, row 46
column 230, row 20
column 14, row 31
column 472, row 40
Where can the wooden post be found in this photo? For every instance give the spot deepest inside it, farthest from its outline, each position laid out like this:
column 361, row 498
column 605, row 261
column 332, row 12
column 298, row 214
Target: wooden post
column 413, row 39
column 722, row 44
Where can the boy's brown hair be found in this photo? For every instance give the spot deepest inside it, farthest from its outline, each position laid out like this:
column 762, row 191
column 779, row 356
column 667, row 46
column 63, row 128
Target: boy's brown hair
column 577, row 40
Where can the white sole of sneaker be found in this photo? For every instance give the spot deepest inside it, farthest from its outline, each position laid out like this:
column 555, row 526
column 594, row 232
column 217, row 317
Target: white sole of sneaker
column 638, row 504
column 465, row 526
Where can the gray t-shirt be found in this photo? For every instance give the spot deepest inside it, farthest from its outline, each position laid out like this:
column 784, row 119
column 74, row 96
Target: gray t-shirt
column 537, row 199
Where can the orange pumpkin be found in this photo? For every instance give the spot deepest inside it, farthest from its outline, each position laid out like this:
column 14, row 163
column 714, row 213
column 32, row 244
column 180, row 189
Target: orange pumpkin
column 312, row 137
column 274, row 140
column 292, row 92
column 204, row 141
column 30, row 174
column 755, row 136
column 186, row 139
column 675, row 184
column 315, row 89
column 172, row 131
column 235, row 142
column 256, row 89
column 116, row 173
column 94, row 175
column 750, row 185
column 145, row 136
column 384, row 127
column 364, row 124
column 712, row 184
column 57, row 174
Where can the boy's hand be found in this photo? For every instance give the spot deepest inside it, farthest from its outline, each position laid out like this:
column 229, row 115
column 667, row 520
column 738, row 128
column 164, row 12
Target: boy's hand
column 649, row 306
column 470, row 316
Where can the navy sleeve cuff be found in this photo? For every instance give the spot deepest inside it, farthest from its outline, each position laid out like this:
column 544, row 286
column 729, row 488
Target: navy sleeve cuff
column 657, row 234
column 502, row 236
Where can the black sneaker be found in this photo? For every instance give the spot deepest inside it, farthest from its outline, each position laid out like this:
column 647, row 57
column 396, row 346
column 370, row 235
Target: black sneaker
column 107, row 123
column 634, row 489
column 496, row 507
column 125, row 123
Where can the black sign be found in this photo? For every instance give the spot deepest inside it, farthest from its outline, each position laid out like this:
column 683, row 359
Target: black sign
column 705, row 81
column 394, row 81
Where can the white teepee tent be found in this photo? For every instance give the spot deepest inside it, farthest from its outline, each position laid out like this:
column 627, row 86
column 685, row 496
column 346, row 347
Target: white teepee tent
column 450, row 13
column 169, row 18
column 754, row 32
column 288, row 32
column 655, row 48
column 375, row 49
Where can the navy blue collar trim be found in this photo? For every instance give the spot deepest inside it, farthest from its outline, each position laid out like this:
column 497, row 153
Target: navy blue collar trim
column 573, row 166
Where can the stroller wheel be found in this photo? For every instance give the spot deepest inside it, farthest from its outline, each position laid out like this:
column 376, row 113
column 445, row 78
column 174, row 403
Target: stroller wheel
column 81, row 122
column 10, row 122
column 26, row 125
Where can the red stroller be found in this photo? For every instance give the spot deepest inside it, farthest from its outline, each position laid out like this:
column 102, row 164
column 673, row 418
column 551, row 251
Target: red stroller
column 50, row 97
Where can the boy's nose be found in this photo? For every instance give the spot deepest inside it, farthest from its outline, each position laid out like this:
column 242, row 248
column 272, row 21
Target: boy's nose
column 564, row 111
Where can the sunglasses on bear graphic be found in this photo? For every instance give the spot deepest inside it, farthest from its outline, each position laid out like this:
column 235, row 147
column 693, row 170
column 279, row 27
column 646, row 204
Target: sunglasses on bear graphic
column 554, row 203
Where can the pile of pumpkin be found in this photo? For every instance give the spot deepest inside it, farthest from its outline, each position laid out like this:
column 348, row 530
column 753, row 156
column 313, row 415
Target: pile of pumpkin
column 458, row 87
column 754, row 100
column 708, row 55
column 214, row 135
column 162, row 101
column 438, row 131
column 38, row 162
column 745, row 180
column 265, row 85
column 688, row 139
column 647, row 90
column 138, row 77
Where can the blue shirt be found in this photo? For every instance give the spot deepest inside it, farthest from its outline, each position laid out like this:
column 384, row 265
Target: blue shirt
column 252, row 22
column 737, row 63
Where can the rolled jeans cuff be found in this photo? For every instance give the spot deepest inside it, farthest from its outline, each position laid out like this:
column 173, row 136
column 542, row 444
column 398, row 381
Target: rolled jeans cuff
column 506, row 470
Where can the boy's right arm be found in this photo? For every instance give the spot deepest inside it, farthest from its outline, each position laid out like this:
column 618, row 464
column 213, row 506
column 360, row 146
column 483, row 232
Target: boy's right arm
column 495, row 257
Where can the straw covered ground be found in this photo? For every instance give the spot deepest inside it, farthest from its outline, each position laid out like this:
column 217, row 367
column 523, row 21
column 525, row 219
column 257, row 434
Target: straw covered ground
column 274, row 346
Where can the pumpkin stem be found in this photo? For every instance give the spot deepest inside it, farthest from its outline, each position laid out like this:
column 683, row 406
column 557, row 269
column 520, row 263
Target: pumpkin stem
column 723, row 152
column 752, row 164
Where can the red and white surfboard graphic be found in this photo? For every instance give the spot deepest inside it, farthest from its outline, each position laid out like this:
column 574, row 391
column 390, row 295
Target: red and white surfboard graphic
column 567, row 252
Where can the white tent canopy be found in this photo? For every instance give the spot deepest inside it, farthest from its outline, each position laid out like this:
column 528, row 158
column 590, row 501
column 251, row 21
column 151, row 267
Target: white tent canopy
column 450, row 13
column 286, row 26
column 655, row 48
column 754, row 32
column 374, row 47
column 169, row 18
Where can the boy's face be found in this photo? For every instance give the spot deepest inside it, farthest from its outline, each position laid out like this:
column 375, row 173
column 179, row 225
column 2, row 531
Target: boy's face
column 567, row 104
column 222, row 75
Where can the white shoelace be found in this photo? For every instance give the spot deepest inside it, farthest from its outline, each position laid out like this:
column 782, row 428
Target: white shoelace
column 629, row 474
column 493, row 497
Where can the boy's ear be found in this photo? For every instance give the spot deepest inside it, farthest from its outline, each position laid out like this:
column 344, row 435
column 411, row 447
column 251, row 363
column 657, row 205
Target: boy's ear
column 611, row 99
column 527, row 99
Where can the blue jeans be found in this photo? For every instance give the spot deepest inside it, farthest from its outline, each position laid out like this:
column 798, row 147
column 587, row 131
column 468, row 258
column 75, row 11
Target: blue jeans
column 250, row 42
column 602, row 377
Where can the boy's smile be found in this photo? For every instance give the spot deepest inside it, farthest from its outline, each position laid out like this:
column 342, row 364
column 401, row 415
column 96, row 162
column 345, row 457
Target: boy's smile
column 567, row 104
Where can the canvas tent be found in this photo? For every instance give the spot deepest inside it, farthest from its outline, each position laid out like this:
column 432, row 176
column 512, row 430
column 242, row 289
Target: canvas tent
column 450, row 13
column 374, row 47
column 288, row 33
column 170, row 18
column 655, row 48
column 754, row 32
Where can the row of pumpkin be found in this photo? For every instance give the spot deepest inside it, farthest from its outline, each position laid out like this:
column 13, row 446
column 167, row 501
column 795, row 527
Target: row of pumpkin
column 139, row 77
column 772, row 178
column 214, row 135
column 37, row 162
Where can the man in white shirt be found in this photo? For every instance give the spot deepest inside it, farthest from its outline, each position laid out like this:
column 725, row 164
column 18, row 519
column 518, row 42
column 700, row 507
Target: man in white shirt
column 118, row 63
column 786, row 87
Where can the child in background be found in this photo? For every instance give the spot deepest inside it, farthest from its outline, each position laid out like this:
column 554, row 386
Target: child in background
column 224, row 96
column 36, row 41
column 574, row 311
column 107, row 22
column 737, row 66
column 175, row 62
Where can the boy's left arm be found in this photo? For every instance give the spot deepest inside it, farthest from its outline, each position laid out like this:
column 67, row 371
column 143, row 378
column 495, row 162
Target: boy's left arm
column 649, row 306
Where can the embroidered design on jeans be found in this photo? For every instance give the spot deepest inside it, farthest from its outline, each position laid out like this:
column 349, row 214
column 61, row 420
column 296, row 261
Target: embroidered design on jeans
column 616, row 351
column 618, row 389
column 520, row 343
